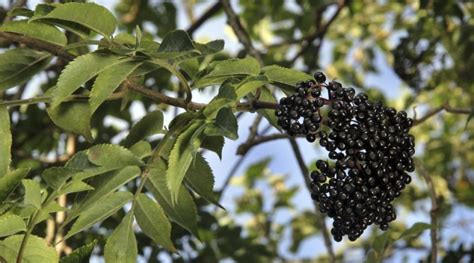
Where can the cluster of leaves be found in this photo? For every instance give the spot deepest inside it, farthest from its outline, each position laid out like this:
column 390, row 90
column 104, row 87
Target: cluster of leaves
column 169, row 172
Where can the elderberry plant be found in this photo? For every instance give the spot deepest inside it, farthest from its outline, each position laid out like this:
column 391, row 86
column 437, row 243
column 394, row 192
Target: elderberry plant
column 369, row 147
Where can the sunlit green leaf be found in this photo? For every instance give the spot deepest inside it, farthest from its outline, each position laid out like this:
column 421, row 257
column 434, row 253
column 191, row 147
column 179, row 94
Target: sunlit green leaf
column 152, row 220
column 36, row 250
column 79, row 71
column 181, row 157
column 80, row 254
column 108, row 81
column 184, row 212
column 121, row 246
column 149, row 125
column 18, row 65
column 73, row 117
column 200, row 178
column 99, row 211
column 32, row 193
column 111, row 155
column 36, row 30
column 9, row 182
column 11, row 224
column 5, row 142
column 74, row 13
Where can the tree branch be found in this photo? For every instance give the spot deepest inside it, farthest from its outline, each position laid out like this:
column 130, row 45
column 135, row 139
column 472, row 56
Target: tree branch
column 319, row 33
column 38, row 45
column 444, row 107
column 246, row 146
column 61, row 52
column 240, row 31
column 16, row 4
column 201, row 20
column 433, row 212
column 46, row 99
column 321, row 217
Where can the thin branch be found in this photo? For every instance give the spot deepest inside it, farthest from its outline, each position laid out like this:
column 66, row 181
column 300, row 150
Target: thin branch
column 321, row 217
column 246, row 146
column 444, row 107
column 240, row 161
column 433, row 213
column 46, row 99
column 17, row 4
column 320, row 32
column 61, row 52
column 231, row 174
column 239, row 30
column 38, row 45
column 201, row 20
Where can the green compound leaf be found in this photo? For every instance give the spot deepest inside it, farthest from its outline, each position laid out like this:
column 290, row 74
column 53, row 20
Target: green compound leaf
column 380, row 242
column 11, row 224
column 415, row 230
column 121, row 246
column 222, row 70
column 245, row 66
column 79, row 71
column 20, row 11
column 89, row 15
column 213, row 143
column 141, row 149
column 269, row 114
column 184, row 212
column 112, row 156
column 249, row 85
column 152, row 220
column 32, row 193
column 80, row 254
column 73, row 117
column 5, row 142
column 372, row 257
column 150, row 124
column 9, row 182
column 181, row 156
column 104, row 186
column 225, row 125
column 36, row 250
column 201, row 180
column 99, row 211
column 45, row 212
column 18, row 65
column 283, row 75
column 176, row 41
column 74, row 187
column 56, row 176
column 108, row 81
column 41, row 31
column 224, row 98
column 210, row 47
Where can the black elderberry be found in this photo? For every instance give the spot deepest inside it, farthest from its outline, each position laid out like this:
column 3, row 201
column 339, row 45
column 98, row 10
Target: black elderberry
column 319, row 77
column 369, row 144
column 298, row 114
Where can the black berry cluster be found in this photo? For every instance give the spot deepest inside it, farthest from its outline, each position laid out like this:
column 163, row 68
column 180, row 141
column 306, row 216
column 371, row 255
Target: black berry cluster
column 299, row 114
column 370, row 151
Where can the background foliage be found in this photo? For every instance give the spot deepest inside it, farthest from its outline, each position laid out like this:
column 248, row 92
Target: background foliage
column 76, row 162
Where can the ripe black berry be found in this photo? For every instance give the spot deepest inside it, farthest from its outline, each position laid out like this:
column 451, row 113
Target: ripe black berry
column 370, row 147
column 299, row 114
column 319, row 77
